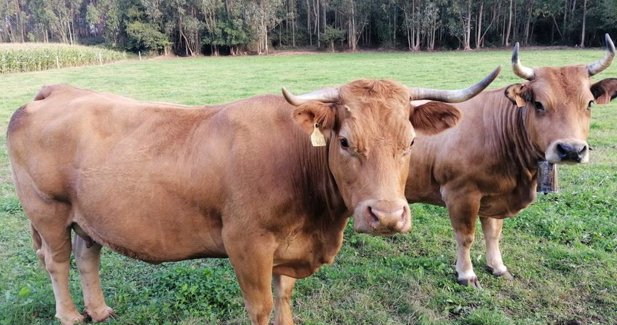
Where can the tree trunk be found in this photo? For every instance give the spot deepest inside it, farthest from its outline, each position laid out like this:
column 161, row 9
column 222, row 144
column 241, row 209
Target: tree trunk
column 317, row 23
column 431, row 45
column 584, row 22
column 323, row 19
column 353, row 37
column 394, row 27
column 565, row 20
column 506, row 41
column 528, row 22
column 514, row 22
column 466, row 20
column 407, row 30
column 264, row 31
column 308, row 22
column 572, row 14
column 479, row 26
column 293, row 24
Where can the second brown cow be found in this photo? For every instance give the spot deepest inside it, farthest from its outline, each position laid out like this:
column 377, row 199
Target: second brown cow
column 487, row 165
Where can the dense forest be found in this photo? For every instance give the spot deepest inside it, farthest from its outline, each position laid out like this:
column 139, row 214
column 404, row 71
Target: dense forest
column 213, row 27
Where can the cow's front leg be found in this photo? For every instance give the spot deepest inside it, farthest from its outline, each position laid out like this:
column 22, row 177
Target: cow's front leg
column 252, row 259
column 491, row 228
column 463, row 211
column 283, row 288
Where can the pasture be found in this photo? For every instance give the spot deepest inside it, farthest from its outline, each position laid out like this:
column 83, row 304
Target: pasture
column 562, row 250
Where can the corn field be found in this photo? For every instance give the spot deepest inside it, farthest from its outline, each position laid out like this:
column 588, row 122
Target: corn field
column 42, row 56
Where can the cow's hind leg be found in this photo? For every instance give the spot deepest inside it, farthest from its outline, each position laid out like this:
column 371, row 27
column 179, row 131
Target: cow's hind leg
column 88, row 256
column 283, row 288
column 491, row 228
column 54, row 250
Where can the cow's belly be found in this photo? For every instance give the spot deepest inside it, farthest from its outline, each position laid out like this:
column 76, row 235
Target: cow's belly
column 505, row 205
column 153, row 230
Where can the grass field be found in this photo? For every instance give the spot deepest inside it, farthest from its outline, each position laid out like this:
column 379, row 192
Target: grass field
column 562, row 250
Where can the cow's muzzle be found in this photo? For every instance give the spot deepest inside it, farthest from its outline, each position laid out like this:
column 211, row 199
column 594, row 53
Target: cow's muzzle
column 381, row 217
column 572, row 151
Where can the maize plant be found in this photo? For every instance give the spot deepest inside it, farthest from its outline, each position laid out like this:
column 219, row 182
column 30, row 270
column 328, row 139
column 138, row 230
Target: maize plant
column 20, row 57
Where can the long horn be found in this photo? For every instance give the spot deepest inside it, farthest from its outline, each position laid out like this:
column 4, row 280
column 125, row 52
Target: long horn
column 453, row 96
column 598, row 66
column 325, row 95
column 519, row 69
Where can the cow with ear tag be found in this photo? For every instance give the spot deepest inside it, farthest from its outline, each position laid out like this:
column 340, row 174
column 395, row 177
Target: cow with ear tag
column 487, row 165
column 268, row 184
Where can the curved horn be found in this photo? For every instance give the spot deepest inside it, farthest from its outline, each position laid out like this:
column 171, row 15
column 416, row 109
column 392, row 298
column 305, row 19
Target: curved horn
column 325, row 95
column 519, row 69
column 598, row 66
column 453, row 96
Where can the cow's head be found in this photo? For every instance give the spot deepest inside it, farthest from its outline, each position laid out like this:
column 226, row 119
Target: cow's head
column 557, row 103
column 369, row 127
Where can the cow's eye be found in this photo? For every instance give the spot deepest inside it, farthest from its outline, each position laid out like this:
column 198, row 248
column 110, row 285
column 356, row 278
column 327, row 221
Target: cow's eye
column 412, row 142
column 344, row 143
column 591, row 102
column 539, row 106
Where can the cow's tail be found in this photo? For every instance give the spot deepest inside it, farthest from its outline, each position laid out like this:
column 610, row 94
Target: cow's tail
column 37, row 242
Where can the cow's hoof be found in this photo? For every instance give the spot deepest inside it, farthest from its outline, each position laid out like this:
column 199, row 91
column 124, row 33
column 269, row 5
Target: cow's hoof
column 71, row 318
column 100, row 314
column 473, row 282
column 506, row 275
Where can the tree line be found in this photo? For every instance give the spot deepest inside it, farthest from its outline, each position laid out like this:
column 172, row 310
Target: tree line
column 213, row 27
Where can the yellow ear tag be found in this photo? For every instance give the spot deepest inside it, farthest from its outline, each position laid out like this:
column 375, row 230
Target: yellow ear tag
column 317, row 138
column 520, row 102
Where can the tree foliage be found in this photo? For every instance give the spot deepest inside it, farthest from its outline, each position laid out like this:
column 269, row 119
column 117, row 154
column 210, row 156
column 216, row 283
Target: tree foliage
column 192, row 27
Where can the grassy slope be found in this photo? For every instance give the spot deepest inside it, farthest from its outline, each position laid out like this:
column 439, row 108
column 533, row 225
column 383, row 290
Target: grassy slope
column 562, row 250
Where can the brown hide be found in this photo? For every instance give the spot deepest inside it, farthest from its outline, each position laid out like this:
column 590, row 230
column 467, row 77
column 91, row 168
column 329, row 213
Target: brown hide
column 605, row 90
column 163, row 182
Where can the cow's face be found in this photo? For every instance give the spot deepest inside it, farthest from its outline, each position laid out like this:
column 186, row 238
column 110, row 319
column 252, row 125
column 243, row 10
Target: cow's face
column 557, row 105
column 369, row 134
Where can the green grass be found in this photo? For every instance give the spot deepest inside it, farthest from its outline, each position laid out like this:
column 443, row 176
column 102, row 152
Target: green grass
column 562, row 250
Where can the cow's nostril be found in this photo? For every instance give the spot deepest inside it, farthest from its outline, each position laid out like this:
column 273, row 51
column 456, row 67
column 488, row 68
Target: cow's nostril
column 374, row 217
column 583, row 150
column 562, row 150
column 403, row 214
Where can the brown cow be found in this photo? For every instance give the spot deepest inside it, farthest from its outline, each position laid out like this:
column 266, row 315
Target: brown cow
column 163, row 182
column 487, row 165
column 604, row 90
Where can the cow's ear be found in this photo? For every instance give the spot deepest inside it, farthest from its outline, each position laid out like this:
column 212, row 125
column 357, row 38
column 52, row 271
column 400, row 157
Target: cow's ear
column 314, row 114
column 434, row 117
column 604, row 90
column 515, row 93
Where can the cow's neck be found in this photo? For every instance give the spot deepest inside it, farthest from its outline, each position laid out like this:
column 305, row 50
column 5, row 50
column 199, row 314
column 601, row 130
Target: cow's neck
column 319, row 191
column 514, row 145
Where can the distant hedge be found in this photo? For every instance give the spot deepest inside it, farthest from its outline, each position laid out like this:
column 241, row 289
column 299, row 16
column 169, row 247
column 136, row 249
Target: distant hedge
column 20, row 57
